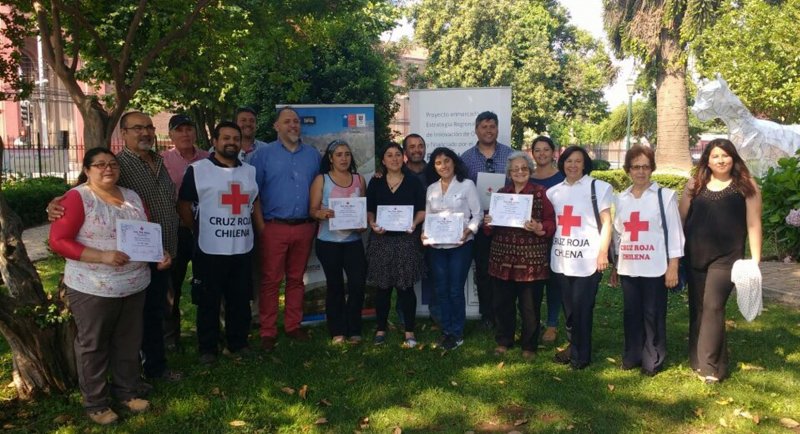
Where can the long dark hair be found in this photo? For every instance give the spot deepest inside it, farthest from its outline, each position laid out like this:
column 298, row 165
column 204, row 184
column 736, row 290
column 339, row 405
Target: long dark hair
column 740, row 175
column 388, row 146
column 459, row 168
column 325, row 163
column 88, row 158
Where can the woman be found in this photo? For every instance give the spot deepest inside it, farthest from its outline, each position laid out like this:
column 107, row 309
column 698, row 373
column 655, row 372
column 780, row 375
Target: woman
column 340, row 251
column 394, row 258
column 519, row 262
column 104, row 288
column 580, row 248
column 547, row 175
column 646, row 266
column 720, row 207
column 451, row 192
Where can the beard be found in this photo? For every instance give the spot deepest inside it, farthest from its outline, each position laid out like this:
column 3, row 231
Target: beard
column 229, row 152
column 144, row 145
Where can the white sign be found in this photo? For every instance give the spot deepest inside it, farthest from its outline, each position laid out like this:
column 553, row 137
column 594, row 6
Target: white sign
column 446, row 117
column 511, row 210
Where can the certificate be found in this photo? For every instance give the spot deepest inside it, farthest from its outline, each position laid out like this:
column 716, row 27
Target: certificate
column 444, row 228
column 349, row 213
column 489, row 183
column 395, row 218
column 140, row 240
column 511, row 210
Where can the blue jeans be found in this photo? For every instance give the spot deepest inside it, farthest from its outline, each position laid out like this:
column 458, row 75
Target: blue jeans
column 450, row 268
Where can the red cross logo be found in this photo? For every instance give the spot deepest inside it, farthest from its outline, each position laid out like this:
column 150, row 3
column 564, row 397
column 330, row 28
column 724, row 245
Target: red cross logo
column 634, row 226
column 567, row 221
column 235, row 199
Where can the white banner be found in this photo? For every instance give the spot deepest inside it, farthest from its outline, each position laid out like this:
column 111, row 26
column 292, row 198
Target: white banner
column 446, row 117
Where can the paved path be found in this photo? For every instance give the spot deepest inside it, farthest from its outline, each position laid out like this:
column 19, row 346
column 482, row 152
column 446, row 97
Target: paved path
column 781, row 281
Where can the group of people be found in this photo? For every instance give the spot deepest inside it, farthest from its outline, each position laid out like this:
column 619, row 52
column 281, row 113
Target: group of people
column 247, row 214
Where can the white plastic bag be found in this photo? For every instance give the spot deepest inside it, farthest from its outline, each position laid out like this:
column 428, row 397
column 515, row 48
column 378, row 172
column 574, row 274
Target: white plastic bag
column 746, row 276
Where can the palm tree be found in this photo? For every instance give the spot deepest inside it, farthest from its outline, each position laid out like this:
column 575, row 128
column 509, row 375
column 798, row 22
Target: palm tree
column 658, row 33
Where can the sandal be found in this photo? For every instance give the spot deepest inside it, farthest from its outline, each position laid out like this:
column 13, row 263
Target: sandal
column 136, row 405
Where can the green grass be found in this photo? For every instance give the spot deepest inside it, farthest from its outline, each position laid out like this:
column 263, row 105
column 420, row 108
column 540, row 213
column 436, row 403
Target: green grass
column 426, row 390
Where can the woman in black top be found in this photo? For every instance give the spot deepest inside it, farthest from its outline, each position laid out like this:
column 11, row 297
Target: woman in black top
column 720, row 206
column 395, row 259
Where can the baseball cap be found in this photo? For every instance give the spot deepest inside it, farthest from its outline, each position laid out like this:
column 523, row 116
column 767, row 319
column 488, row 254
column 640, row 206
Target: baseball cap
column 178, row 120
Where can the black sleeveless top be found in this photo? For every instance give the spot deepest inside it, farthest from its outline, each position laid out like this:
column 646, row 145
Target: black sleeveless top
column 716, row 228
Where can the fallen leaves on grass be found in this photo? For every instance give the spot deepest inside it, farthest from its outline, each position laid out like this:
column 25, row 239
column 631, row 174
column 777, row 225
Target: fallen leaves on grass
column 746, row 414
column 724, row 401
column 557, row 378
column 501, row 382
column 397, row 430
column 321, row 421
column 501, row 365
column 237, row 423
column 723, row 422
column 287, row 390
column 62, row 419
column 611, row 360
column 303, row 391
column 454, row 384
column 350, row 380
column 748, row 367
column 363, row 423
column 730, row 324
column 789, row 423
column 324, row 403
column 519, row 422
column 308, row 364
column 611, row 387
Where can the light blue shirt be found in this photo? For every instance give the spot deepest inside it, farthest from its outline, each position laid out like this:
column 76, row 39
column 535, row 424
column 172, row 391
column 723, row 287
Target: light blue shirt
column 284, row 179
column 476, row 161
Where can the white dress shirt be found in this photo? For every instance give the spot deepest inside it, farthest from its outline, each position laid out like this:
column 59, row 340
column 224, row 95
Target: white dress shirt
column 460, row 197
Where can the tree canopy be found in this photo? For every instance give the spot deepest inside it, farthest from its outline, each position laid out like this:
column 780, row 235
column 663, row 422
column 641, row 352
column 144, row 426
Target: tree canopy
column 556, row 71
column 754, row 46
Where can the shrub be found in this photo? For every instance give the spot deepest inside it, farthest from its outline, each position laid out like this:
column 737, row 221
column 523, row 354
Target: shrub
column 780, row 193
column 674, row 182
column 599, row 164
column 620, row 180
column 29, row 197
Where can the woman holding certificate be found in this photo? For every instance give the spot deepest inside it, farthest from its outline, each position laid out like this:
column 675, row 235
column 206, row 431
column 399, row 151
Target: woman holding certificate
column 647, row 226
column 452, row 216
column 580, row 248
column 395, row 208
column 105, row 289
column 519, row 260
column 339, row 248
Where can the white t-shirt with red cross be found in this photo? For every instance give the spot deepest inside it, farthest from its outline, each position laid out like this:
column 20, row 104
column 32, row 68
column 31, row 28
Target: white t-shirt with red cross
column 225, row 205
column 577, row 240
column 639, row 233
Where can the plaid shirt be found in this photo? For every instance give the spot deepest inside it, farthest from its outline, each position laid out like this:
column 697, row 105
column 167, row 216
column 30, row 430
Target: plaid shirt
column 156, row 190
column 476, row 161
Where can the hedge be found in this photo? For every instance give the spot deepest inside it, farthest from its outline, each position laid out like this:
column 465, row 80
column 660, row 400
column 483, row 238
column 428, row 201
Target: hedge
column 29, row 197
column 619, row 180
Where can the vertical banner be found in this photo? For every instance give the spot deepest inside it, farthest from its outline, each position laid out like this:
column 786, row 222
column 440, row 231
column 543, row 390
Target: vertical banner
column 320, row 125
column 446, row 117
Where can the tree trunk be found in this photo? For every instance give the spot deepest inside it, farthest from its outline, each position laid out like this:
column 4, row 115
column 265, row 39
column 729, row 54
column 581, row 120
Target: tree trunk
column 41, row 351
column 97, row 130
column 672, row 114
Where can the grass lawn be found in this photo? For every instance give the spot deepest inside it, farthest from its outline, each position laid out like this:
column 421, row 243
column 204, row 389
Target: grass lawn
column 317, row 387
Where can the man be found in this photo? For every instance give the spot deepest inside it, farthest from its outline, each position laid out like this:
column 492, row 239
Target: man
column 184, row 152
column 285, row 170
column 224, row 192
column 246, row 120
column 488, row 155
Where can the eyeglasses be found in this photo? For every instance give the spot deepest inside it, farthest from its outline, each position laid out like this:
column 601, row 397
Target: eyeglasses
column 102, row 165
column 489, row 165
column 519, row 169
column 644, row 167
column 139, row 129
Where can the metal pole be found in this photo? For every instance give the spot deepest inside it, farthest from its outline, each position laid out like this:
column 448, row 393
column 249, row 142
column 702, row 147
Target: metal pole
column 628, row 129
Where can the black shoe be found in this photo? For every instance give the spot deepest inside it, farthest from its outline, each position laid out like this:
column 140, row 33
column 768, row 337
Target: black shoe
column 452, row 342
column 578, row 366
column 562, row 356
column 628, row 366
column 648, row 373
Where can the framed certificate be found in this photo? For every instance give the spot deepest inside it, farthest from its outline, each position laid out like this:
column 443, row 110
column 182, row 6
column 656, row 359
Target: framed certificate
column 489, row 183
column 444, row 228
column 140, row 240
column 511, row 210
column 349, row 213
column 395, row 218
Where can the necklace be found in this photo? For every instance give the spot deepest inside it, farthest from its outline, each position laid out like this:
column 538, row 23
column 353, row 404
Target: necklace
column 393, row 186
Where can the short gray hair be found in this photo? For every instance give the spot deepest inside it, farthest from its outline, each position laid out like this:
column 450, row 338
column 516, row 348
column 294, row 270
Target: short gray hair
column 516, row 155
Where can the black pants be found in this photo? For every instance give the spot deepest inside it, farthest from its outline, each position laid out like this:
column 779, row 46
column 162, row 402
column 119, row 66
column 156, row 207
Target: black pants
column 708, row 293
column 406, row 299
column 172, row 321
column 155, row 359
column 482, row 279
column 343, row 308
column 510, row 295
column 645, row 322
column 217, row 277
column 579, row 295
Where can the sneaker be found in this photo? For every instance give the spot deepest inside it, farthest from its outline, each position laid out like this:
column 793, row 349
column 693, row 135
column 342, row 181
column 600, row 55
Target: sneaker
column 452, row 342
column 379, row 339
column 298, row 335
column 208, row 358
column 549, row 335
column 562, row 356
column 105, row 416
column 410, row 343
column 136, row 405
